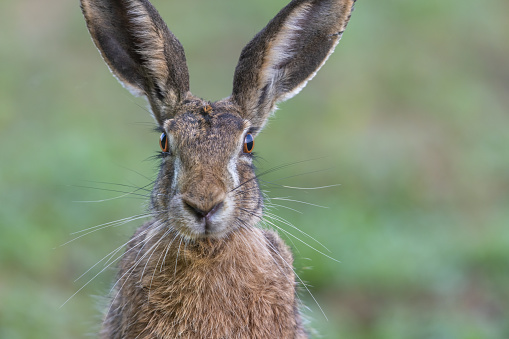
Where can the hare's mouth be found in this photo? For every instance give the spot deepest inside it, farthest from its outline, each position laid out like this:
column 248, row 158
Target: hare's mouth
column 208, row 222
column 196, row 223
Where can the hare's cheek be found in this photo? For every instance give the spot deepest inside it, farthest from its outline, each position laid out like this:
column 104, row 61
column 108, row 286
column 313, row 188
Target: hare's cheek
column 178, row 215
column 246, row 172
column 159, row 197
column 233, row 171
column 176, row 170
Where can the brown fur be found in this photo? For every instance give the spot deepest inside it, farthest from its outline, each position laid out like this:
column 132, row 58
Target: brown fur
column 201, row 268
column 238, row 286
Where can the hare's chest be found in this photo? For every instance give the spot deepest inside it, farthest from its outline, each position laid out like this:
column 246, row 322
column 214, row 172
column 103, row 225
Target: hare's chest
column 223, row 302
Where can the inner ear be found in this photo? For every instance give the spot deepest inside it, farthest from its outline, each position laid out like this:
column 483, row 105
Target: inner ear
column 286, row 54
column 140, row 50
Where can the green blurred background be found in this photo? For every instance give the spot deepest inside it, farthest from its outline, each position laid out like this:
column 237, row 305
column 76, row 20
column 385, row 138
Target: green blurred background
column 410, row 116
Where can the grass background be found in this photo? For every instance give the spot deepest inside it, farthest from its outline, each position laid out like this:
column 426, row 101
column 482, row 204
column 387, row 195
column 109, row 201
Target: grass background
column 410, row 115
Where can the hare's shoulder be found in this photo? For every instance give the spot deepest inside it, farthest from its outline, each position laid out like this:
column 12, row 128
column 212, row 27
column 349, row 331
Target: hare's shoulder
column 278, row 248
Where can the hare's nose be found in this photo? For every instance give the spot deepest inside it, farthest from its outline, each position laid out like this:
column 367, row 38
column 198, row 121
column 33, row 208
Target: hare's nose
column 202, row 213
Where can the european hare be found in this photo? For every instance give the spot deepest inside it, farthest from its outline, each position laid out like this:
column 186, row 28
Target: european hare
column 201, row 268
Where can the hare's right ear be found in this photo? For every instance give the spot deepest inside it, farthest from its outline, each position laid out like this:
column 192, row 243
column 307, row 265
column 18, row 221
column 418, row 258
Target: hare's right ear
column 286, row 54
column 140, row 51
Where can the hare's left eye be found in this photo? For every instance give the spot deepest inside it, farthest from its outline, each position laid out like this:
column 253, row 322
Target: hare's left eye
column 248, row 143
column 163, row 142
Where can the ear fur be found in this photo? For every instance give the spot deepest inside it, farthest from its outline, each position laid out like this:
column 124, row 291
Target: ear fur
column 140, row 51
column 286, row 54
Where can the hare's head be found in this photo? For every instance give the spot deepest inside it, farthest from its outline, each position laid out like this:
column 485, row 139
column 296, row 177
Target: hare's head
column 207, row 186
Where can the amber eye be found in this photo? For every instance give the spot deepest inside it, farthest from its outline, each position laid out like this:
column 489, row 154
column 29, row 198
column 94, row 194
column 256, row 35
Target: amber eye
column 163, row 142
column 248, row 143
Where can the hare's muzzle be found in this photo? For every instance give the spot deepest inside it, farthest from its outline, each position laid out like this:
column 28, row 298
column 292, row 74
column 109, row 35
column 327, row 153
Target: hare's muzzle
column 205, row 203
column 204, row 217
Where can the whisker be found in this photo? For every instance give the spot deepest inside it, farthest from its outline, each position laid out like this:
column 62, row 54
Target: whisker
column 286, row 222
column 123, row 195
column 86, row 284
column 167, row 249
column 298, row 277
column 176, row 260
column 137, row 262
column 298, row 201
column 304, row 173
column 112, row 254
column 130, row 271
column 116, row 223
column 244, row 225
column 270, row 204
column 162, row 262
column 273, row 169
column 302, row 241
column 138, row 216
column 151, row 181
column 268, row 226
column 153, row 251
column 141, row 188
column 95, row 276
column 292, row 235
column 304, row 188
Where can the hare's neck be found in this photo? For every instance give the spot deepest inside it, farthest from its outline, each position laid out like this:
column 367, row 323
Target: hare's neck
column 240, row 261
column 216, row 289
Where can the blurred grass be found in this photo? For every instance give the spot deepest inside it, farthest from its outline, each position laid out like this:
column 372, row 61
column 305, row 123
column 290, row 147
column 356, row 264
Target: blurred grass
column 410, row 115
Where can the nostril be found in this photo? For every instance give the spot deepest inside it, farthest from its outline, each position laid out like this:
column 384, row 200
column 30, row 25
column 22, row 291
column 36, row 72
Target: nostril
column 214, row 209
column 193, row 208
column 203, row 213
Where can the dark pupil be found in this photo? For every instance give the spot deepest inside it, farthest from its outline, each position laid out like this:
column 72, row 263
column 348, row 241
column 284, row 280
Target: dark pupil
column 249, row 142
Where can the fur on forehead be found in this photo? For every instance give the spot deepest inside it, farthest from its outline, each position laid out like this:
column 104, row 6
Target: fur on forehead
column 204, row 119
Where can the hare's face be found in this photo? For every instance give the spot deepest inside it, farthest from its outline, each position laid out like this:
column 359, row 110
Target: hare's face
column 206, row 186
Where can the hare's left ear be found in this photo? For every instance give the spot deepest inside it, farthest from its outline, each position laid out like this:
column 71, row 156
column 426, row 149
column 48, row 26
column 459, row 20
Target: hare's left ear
column 286, row 54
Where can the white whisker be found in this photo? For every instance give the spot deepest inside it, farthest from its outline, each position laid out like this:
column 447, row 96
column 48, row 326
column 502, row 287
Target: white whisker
column 310, row 188
column 299, row 278
column 284, row 221
column 270, row 204
column 305, row 243
column 300, row 202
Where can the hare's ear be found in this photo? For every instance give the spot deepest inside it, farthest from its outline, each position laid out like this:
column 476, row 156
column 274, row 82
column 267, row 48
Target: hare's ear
column 286, row 54
column 140, row 51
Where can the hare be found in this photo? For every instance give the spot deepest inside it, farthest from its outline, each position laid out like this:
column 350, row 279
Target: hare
column 201, row 268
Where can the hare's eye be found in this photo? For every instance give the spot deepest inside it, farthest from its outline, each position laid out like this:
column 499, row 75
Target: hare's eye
column 248, row 143
column 163, row 142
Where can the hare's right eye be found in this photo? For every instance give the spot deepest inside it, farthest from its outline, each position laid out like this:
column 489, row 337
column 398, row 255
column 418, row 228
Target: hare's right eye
column 248, row 143
column 163, row 142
